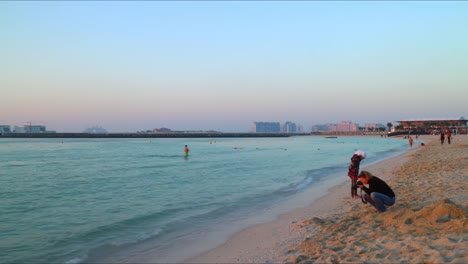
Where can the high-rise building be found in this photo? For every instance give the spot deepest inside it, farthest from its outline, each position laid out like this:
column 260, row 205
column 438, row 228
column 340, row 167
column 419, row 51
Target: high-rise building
column 31, row 129
column 5, row 129
column 347, row 126
column 266, row 127
column 34, row 129
column 317, row 128
column 290, row 127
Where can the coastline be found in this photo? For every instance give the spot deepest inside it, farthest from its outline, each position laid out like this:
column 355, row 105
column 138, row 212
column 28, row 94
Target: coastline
column 148, row 135
column 293, row 238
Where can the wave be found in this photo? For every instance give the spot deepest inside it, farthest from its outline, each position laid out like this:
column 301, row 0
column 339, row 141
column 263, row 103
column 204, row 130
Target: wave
column 118, row 235
column 162, row 226
column 108, row 239
column 259, row 200
column 184, row 215
column 15, row 163
column 315, row 176
column 163, row 156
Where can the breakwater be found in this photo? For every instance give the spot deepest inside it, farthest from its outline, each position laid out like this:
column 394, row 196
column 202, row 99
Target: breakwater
column 143, row 135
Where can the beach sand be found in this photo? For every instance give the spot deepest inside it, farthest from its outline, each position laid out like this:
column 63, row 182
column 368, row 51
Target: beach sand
column 426, row 225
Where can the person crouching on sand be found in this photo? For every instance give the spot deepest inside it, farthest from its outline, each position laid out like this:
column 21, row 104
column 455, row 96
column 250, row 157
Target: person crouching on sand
column 379, row 194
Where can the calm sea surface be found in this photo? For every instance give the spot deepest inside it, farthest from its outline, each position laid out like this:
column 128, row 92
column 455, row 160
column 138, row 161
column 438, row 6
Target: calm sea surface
column 138, row 200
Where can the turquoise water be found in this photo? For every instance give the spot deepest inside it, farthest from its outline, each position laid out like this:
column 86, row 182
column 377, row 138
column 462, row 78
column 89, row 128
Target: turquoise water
column 78, row 200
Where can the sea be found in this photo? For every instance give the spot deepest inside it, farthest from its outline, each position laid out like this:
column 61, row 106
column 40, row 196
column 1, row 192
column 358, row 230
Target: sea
column 143, row 200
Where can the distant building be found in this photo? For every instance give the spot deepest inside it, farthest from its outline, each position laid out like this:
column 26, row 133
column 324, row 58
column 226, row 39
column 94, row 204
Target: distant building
column 5, row 129
column 162, row 130
column 456, row 125
column 289, row 127
column 95, row 130
column 374, row 127
column 347, row 126
column 34, row 129
column 266, row 127
column 317, row 128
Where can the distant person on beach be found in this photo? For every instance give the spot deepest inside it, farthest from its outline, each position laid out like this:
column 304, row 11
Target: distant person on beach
column 410, row 141
column 379, row 194
column 354, row 170
column 449, row 135
column 186, row 150
column 442, row 137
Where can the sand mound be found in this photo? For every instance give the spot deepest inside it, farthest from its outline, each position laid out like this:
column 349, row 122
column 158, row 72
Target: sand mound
column 442, row 212
column 411, row 235
column 442, row 216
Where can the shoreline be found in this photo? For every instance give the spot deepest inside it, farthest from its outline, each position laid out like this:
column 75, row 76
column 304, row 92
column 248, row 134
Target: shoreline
column 267, row 242
column 427, row 223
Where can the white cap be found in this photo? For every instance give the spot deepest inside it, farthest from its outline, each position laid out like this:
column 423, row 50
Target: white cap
column 361, row 153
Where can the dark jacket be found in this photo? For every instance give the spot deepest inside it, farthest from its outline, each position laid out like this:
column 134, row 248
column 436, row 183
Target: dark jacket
column 377, row 185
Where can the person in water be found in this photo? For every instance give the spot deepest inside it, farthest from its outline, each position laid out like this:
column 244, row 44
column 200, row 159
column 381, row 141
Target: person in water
column 354, row 170
column 186, row 150
column 379, row 194
column 410, row 141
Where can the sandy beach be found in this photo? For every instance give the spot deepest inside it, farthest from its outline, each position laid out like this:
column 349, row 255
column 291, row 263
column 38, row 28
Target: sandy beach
column 426, row 225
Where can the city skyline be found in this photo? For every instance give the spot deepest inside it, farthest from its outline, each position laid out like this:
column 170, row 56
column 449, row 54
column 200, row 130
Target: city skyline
column 277, row 127
column 129, row 66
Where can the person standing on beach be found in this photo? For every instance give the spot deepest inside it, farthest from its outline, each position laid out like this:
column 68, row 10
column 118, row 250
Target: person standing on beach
column 354, row 170
column 186, row 150
column 410, row 140
column 379, row 194
column 449, row 135
column 442, row 137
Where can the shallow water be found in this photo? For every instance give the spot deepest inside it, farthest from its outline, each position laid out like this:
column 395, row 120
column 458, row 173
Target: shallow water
column 123, row 200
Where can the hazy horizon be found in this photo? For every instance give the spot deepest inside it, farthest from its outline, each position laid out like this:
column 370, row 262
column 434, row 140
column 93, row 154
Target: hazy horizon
column 129, row 66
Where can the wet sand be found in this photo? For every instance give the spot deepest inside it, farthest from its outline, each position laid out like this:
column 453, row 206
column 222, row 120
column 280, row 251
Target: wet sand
column 427, row 223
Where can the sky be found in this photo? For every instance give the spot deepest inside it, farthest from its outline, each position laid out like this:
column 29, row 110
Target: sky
column 200, row 65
